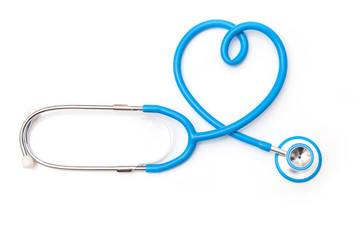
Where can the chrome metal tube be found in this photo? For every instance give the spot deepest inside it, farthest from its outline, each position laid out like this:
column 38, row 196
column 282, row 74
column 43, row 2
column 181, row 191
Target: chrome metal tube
column 278, row 151
column 24, row 139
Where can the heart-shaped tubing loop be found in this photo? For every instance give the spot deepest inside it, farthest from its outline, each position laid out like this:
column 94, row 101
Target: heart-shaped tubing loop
column 222, row 130
column 234, row 30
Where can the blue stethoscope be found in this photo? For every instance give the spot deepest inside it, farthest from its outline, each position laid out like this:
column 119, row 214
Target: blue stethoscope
column 298, row 159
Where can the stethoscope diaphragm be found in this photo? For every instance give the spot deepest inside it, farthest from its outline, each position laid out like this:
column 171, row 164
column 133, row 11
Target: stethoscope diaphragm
column 302, row 160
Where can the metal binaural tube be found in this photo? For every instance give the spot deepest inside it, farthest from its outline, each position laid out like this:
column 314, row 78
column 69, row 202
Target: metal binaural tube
column 24, row 141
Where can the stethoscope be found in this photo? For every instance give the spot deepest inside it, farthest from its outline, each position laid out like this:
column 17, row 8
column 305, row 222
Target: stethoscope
column 298, row 159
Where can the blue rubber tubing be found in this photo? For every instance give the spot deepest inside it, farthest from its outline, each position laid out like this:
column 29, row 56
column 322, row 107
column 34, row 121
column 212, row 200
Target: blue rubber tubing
column 234, row 30
column 191, row 138
column 221, row 129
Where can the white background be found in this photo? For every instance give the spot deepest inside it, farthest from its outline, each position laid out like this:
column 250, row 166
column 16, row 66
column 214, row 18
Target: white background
column 106, row 52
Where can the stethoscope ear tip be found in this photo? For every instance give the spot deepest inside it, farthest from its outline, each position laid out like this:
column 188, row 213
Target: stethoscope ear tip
column 28, row 162
column 302, row 160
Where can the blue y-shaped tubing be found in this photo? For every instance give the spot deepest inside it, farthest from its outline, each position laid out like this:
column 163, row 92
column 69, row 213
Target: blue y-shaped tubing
column 221, row 129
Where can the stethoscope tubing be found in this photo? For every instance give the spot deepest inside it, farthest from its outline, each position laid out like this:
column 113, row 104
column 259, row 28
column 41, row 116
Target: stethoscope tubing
column 221, row 129
column 234, row 30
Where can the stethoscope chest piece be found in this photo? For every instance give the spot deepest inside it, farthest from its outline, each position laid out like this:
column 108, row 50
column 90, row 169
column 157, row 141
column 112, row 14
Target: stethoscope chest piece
column 302, row 160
